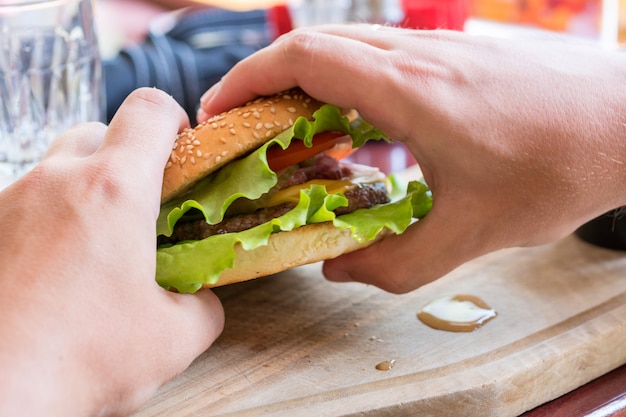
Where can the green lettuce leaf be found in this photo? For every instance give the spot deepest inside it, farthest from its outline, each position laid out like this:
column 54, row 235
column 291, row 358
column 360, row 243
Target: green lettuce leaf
column 366, row 224
column 186, row 266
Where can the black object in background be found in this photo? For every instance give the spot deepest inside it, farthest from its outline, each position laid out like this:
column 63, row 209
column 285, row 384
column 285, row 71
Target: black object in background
column 197, row 50
column 608, row 230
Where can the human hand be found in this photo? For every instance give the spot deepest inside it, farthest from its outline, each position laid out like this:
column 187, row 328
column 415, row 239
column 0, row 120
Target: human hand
column 85, row 328
column 520, row 142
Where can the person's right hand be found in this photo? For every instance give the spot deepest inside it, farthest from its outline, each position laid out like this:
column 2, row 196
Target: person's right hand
column 520, row 142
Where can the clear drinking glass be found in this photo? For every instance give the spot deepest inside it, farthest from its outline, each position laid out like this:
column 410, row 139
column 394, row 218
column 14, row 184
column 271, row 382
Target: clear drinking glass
column 50, row 77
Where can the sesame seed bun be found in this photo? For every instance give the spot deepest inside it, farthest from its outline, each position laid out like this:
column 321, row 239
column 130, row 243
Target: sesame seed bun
column 286, row 250
column 201, row 150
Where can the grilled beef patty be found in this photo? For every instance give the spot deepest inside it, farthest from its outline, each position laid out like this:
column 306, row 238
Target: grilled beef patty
column 363, row 196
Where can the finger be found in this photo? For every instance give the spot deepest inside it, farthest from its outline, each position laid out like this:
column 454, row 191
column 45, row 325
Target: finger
column 428, row 250
column 198, row 321
column 78, row 142
column 186, row 325
column 316, row 61
column 140, row 137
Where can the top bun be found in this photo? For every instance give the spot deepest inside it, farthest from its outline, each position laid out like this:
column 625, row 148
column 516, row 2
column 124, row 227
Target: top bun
column 201, row 150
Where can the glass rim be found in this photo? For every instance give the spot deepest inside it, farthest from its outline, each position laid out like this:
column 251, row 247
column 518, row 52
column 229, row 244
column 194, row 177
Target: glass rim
column 35, row 3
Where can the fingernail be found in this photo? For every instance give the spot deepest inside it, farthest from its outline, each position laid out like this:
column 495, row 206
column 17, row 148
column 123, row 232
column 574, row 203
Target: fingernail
column 201, row 115
column 210, row 93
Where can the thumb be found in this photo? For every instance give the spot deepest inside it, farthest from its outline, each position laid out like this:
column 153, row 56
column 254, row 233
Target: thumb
column 427, row 250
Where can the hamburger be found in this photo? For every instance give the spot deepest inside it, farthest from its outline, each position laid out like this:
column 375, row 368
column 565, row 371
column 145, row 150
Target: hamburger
column 264, row 188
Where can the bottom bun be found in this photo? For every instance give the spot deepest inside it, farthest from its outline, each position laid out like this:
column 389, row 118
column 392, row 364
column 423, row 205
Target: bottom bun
column 286, row 250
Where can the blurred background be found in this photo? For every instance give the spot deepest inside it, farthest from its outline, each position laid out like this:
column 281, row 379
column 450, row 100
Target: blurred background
column 185, row 46
column 601, row 20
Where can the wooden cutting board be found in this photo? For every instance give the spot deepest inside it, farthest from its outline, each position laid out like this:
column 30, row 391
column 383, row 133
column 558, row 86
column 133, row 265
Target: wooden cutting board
column 297, row 345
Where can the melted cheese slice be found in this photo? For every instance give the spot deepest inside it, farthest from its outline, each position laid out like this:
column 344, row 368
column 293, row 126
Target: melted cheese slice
column 292, row 194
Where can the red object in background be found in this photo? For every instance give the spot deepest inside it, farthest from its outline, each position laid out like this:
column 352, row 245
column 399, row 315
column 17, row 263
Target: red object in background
column 280, row 19
column 435, row 14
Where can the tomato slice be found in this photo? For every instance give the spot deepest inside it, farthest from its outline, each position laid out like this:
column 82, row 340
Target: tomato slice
column 337, row 145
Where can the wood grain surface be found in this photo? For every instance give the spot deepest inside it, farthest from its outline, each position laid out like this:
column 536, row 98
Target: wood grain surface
column 602, row 397
column 297, row 345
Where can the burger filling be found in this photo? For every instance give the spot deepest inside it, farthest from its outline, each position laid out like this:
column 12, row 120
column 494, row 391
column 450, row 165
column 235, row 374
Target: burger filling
column 362, row 186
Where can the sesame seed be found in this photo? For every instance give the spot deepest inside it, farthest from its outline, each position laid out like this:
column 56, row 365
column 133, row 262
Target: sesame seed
column 273, row 110
column 214, row 125
column 269, row 125
column 258, row 126
column 232, row 131
column 231, row 125
column 183, row 160
column 256, row 114
column 196, row 142
column 246, row 115
column 291, row 109
column 246, row 124
column 290, row 121
column 256, row 135
column 276, row 123
column 286, row 96
column 207, row 155
column 222, row 124
column 223, row 140
column 224, row 153
column 269, row 133
column 193, row 160
column 169, row 164
column 218, row 158
column 199, row 153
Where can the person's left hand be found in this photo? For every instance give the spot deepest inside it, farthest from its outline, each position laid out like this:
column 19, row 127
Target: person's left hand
column 85, row 328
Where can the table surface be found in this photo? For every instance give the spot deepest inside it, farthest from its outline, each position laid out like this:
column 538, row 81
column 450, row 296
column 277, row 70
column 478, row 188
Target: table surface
column 602, row 397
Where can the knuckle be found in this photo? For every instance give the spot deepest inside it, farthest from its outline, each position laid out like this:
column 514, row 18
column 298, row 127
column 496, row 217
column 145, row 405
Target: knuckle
column 299, row 43
column 103, row 179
